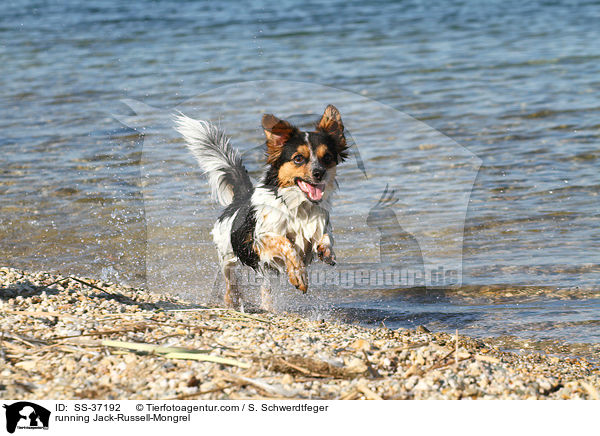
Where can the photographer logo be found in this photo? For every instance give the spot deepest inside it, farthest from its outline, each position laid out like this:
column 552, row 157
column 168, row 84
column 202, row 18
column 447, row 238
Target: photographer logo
column 25, row 415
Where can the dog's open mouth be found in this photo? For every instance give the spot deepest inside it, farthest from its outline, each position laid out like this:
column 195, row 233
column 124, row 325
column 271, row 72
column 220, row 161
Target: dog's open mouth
column 313, row 192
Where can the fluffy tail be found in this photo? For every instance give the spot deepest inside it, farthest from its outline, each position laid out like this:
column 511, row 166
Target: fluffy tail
column 222, row 163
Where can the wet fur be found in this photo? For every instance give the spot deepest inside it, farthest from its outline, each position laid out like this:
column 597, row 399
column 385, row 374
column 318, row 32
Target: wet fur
column 273, row 225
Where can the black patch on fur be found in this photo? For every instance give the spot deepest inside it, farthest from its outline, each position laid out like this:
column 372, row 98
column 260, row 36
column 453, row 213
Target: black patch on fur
column 317, row 138
column 290, row 147
column 270, row 179
column 238, row 178
column 238, row 203
column 242, row 231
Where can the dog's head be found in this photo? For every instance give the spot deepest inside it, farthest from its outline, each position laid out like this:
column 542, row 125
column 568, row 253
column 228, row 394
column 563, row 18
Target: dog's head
column 306, row 160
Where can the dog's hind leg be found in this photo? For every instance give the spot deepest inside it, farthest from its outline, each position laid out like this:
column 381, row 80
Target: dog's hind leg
column 266, row 296
column 232, row 295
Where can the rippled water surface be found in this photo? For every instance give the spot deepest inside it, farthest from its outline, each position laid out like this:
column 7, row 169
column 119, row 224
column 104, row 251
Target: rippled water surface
column 513, row 87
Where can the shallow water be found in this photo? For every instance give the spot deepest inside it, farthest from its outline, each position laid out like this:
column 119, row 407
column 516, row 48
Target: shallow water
column 516, row 84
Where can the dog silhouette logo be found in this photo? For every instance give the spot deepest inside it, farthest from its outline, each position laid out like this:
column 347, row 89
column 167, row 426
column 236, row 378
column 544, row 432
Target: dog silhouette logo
column 26, row 415
column 397, row 246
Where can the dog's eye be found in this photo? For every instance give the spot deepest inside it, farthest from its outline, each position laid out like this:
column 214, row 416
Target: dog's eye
column 327, row 159
column 299, row 159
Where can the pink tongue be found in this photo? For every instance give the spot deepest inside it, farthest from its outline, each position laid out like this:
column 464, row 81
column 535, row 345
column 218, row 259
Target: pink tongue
column 314, row 192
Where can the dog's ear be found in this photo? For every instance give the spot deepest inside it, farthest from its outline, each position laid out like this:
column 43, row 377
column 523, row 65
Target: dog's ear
column 332, row 125
column 277, row 132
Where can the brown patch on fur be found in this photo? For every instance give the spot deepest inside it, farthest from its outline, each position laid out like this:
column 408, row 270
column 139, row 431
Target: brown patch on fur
column 289, row 171
column 322, row 150
column 281, row 247
column 304, row 151
column 325, row 250
column 277, row 133
column 332, row 125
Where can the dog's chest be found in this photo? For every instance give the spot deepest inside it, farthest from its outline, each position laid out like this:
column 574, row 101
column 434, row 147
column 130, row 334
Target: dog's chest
column 292, row 216
column 306, row 227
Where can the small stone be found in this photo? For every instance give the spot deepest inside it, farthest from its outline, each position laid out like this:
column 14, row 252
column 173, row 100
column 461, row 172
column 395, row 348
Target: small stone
column 361, row 345
column 411, row 382
column 26, row 365
column 419, row 359
column 411, row 371
column 463, row 355
column 357, row 366
column 423, row 385
column 287, row 379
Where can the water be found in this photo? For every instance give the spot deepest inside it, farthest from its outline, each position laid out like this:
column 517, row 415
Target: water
column 516, row 84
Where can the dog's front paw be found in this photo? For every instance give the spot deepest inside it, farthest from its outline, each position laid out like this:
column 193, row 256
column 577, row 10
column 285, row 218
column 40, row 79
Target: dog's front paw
column 298, row 277
column 325, row 249
column 326, row 254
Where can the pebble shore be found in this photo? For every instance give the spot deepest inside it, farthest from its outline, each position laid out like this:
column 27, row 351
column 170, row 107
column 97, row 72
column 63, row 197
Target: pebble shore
column 65, row 337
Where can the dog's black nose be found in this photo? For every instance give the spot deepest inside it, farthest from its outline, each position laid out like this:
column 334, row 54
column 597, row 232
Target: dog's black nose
column 318, row 174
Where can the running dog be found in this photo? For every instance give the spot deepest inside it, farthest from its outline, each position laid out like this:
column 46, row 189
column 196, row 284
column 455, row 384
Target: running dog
column 283, row 221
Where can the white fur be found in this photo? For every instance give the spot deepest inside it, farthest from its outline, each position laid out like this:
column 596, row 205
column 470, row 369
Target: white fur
column 290, row 214
column 213, row 151
column 222, row 238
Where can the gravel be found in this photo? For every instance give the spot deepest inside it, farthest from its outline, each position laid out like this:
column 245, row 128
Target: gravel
column 73, row 338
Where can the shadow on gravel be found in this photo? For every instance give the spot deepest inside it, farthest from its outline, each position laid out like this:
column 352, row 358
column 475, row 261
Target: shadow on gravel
column 26, row 289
